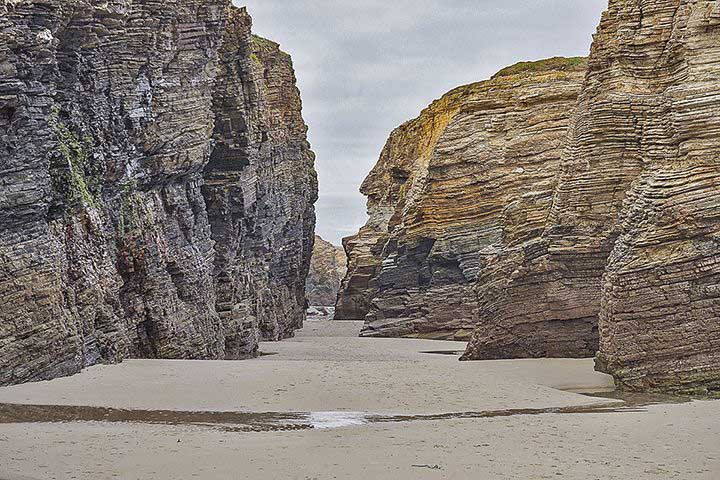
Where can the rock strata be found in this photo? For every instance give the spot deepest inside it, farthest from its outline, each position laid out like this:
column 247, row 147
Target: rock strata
column 260, row 189
column 660, row 307
column 457, row 200
column 633, row 233
column 327, row 269
column 115, row 240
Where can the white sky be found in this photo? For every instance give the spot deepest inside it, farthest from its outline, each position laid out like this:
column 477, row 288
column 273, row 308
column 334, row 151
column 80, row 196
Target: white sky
column 366, row 66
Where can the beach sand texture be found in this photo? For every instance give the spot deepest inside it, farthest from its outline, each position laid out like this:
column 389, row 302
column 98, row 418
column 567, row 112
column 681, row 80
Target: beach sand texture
column 366, row 399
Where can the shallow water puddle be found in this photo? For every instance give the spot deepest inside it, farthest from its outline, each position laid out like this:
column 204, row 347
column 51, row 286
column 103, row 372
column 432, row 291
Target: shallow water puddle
column 642, row 399
column 454, row 353
column 324, row 420
column 285, row 421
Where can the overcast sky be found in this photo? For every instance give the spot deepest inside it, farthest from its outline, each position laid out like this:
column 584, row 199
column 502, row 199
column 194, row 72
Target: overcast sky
column 366, row 66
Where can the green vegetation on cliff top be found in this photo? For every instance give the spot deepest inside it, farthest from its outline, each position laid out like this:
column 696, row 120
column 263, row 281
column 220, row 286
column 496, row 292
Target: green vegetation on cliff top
column 260, row 42
column 263, row 44
column 549, row 64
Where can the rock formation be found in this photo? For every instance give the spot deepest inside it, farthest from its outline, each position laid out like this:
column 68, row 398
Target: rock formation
column 260, row 189
column 157, row 187
column 457, row 200
column 364, row 257
column 633, row 234
column 327, row 269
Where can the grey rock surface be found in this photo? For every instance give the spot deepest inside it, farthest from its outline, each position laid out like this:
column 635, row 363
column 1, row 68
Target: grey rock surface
column 111, row 244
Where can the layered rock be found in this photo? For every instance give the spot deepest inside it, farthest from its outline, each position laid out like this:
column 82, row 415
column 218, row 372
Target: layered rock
column 260, row 188
column 107, row 249
column 364, row 257
column 660, row 308
column 386, row 187
column 633, row 233
column 457, row 201
column 327, row 269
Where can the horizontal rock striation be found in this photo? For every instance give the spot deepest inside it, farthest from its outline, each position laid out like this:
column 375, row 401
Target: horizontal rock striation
column 459, row 199
column 260, row 188
column 363, row 252
column 657, row 116
column 109, row 245
column 402, row 163
column 327, row 269
column 633, row 232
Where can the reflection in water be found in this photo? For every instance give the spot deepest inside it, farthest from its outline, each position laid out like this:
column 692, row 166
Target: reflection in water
column 323, row 420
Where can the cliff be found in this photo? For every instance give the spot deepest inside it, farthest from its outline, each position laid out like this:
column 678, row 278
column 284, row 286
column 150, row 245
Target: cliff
column 457, row 200
column 327, row 269
column 157, row 187
column 633, row 232
column 260, row 188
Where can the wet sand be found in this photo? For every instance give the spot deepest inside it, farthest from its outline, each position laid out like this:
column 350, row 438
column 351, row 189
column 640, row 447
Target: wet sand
column 330, row 405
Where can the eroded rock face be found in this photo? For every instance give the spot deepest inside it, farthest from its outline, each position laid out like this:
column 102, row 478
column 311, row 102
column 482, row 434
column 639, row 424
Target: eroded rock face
column 327, row 269
column 260, row 188
column 107, row 250
column 633, row 233
column 656, row 118
column 400, row 166
column 458, row 199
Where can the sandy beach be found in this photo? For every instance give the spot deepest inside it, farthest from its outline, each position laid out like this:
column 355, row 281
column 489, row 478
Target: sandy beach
column 330, row 405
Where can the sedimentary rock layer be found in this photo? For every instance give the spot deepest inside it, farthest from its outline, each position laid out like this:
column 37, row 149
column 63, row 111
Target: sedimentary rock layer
column 364, row 257
column 457, row 201
column 400, row 165
column 327, row 269
column 260, row 188
column 107, row 247
column 633, row 233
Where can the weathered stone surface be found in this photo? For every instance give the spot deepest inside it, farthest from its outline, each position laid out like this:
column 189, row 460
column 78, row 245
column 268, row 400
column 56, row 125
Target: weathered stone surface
column 327, row 269
column 457, row 201
column 633, row 233
column 260, row 188
column 660, row 306
column 106, row 247
column 400, row 166
column 364, row 254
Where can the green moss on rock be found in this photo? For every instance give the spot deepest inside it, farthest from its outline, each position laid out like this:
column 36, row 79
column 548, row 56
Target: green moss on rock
column 263, row 43
column 73, row 175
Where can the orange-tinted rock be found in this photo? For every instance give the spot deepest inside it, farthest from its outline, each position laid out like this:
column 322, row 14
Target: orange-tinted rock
column 658, row 119
column 633, row 233
column 460, row 197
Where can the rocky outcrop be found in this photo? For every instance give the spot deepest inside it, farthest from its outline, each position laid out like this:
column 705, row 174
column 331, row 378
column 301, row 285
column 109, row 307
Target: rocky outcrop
column 327, row 269
column 633, row 233
column 402, row 163
column 114, row 238
column 260, row 188
column 364, row 257
column 458, row 200
column 660, row 305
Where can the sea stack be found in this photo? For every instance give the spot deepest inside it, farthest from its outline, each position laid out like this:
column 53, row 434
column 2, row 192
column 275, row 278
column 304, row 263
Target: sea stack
column 153, row 159
column 327, row 269
column 632, row 237
column 458, row 201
